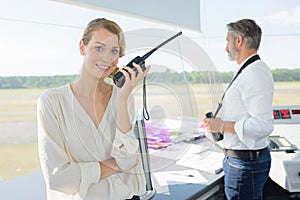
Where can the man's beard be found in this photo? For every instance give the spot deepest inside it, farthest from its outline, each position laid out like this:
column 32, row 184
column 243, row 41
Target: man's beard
column 233, row 55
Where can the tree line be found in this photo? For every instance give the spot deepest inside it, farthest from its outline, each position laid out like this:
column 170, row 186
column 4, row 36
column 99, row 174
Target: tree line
column 16, row 82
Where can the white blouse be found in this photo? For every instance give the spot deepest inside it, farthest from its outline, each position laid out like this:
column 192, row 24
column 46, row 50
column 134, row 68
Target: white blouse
column 248, row 102
column 71, row 147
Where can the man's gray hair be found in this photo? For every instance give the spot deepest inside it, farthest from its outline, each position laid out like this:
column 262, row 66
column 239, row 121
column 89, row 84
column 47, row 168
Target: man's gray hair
column 249, row 30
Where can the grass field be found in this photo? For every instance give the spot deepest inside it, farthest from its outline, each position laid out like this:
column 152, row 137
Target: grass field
column 16, row 160
column 20, row 105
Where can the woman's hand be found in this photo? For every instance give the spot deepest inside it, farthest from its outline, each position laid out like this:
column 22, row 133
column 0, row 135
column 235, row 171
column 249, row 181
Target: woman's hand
column 108, row 168
column 131, row 79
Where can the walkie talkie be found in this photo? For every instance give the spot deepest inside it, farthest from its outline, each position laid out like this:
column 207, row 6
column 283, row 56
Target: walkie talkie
column 119, row 78
column 217, row 136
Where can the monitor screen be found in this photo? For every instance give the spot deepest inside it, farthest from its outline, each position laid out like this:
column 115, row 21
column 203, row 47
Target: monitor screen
column 282, row 114
column 286, row 114
column 296, row 112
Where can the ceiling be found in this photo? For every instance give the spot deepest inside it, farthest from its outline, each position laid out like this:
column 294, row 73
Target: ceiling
column 183, row 14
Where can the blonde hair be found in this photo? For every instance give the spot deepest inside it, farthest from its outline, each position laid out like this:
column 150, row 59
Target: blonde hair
column 108, row 25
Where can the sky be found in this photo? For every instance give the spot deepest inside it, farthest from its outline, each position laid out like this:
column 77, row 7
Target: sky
column 41, row 37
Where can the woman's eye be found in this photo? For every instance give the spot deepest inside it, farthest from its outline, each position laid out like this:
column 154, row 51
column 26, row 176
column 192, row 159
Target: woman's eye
column 99, row 48
column 115, row 51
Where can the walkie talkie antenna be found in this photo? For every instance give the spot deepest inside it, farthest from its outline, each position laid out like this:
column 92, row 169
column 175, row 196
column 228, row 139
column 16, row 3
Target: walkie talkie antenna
column 119, row 78
column 162, row 44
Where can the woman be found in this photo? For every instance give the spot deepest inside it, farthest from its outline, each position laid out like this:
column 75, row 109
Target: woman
column 86, row 142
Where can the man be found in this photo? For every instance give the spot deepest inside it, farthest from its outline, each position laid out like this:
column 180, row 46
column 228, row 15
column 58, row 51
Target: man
column 247, row 118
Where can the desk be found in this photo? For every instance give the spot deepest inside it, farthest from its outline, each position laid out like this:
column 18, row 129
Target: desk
column 32, row 186
column 212, row 186
column 285, row 167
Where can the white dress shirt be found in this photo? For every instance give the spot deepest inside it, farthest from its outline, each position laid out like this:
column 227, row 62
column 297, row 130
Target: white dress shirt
column 248, row 103
column 71, row 147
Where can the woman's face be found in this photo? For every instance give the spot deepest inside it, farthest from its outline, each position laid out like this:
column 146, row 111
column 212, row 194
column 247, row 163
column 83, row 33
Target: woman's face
column 101, row 54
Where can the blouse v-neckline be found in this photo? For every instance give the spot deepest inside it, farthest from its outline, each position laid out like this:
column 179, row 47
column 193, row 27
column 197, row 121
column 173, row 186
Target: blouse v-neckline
column 86, row 117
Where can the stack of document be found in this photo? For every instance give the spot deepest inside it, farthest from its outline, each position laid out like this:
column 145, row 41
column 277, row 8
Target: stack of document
column 207, row 160
column 193, row 156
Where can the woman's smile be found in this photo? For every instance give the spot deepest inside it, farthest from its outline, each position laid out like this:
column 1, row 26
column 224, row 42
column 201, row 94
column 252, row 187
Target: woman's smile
column 102, row 67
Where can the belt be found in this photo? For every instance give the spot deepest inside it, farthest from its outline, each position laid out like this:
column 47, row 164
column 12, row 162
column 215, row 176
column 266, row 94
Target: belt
column 246, row 154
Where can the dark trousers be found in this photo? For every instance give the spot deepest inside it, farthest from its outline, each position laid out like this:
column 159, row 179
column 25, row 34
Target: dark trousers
column 134, row 198
column 245, row 179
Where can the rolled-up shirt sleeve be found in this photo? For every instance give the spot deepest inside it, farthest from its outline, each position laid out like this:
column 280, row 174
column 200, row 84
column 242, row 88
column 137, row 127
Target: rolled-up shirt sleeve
column 90, row 173
column 124, row 149
column 125, row 145
column 257, row 122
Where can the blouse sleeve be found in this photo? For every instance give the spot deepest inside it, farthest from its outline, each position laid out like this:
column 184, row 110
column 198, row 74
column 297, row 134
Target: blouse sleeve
column 125, row 146
column 61, row 173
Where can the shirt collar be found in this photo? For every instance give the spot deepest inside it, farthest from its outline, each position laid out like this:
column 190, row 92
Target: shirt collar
column 247, row 59
column 240, row 65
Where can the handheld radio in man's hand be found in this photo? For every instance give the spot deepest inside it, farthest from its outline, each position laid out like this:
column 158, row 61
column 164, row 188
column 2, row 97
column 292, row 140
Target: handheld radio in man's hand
column 217, row 136
column 119, row 78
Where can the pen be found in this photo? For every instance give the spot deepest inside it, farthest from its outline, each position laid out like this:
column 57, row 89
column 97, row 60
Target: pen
column 194, row 138
column 218, row 171
column 187, row 175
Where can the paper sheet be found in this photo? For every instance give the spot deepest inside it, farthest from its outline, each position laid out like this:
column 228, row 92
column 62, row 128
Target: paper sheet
column 178, row 151
column 182, row 176
column 208, row 161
